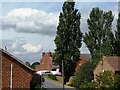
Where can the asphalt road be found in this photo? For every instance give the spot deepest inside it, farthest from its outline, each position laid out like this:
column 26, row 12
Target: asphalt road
column 52, row 85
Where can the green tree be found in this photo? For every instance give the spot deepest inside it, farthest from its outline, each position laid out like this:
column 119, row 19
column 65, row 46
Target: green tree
column 85, row 74
column 68, row 39
column 117, row 37
column 117, row 81
column 105, row 80
column 34, row 64
column 99, row 38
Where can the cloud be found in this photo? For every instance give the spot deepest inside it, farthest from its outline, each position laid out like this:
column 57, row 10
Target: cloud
column 23, row 50
column 18, row 47
column 27, row 20
column 32, row 48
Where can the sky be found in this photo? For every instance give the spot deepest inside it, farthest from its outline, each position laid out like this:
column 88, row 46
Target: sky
column 28, row 28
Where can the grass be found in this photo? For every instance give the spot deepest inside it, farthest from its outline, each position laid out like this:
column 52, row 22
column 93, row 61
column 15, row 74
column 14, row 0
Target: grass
column 59, row 79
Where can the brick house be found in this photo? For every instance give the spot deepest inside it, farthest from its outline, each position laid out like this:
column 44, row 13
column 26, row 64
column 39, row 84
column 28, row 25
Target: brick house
column 46, row 62
column 110, row 63
column 14, row 73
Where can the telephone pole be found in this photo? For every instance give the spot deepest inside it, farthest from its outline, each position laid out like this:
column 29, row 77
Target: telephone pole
column 63, row 73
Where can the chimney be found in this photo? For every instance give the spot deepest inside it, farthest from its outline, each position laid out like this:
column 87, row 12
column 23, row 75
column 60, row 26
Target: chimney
column 50, row 54
column 43, row 53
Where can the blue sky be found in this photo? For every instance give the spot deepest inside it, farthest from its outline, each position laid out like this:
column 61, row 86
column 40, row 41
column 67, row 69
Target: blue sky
column 29, row 28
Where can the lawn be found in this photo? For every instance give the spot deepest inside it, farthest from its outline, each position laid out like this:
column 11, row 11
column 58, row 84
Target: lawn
column 60, row 79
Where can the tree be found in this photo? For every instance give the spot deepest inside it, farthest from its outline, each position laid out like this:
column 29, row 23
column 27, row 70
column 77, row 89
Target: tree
column 68, row 39
column 85, row 74
column 117, row 39
column 105, row 80
column 34, row 64
column 99, row 38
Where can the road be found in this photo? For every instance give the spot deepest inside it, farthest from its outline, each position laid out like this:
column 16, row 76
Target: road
column 51, row 85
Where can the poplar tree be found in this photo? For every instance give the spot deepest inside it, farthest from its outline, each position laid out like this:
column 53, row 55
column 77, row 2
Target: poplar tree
column 68, row 38
column 99, row 39
column 117, row 37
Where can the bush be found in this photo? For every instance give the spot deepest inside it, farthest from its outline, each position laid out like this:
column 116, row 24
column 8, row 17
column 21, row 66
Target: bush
column 70, row 82
column 53, row 77
column 105, row 80
column 87, row 84
column 85, row 73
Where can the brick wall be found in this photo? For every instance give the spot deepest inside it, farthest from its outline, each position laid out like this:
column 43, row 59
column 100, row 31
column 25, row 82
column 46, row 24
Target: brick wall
column 21, row 75
column 45, row 62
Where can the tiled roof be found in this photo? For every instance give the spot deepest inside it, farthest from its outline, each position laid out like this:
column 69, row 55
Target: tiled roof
column 86, row 56
column 114, row 61
column 18, row 60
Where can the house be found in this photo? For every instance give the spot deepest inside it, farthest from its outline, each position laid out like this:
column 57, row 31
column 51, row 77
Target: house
column 47, row 64
column 110, row 63
column 13, row 72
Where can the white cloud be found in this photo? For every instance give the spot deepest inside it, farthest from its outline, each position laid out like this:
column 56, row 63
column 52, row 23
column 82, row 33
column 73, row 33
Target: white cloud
column 32, row 48
column 15, row 47
column 23, row 12
column 19, row 47
column 29, row 20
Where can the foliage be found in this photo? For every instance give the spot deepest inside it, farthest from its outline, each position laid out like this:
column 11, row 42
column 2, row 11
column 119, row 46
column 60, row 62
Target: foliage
column 68, row 39
column 70, row 82
column 35, row 82
column 99, row 38
column 34, row 64
column 87, row 85
column 85, row 74
column 53, row 77
column 117, row 39
column 117, row 81
column 105, row 80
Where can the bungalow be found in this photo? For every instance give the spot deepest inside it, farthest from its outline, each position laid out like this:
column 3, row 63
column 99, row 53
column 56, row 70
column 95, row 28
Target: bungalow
column 110, row 63
column 13, row 72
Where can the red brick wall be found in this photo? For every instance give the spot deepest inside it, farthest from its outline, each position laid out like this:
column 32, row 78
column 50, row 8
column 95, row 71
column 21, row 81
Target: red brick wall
column 21, row 75
column 45, row 63
column 79, row 63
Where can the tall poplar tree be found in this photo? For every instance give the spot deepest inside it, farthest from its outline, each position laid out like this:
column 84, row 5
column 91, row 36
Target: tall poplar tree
column 117, row 37
column 99, row 38
column 68, row 38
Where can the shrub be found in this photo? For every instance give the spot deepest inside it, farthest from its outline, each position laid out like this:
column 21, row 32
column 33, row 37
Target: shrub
column 70, row 82
column 85, row 73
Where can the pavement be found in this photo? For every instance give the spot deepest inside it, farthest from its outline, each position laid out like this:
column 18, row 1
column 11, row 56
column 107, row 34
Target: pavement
column 53, row 85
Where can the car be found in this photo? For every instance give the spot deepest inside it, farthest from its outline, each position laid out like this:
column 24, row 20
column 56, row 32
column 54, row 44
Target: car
column 44, row 72
column 56, row 72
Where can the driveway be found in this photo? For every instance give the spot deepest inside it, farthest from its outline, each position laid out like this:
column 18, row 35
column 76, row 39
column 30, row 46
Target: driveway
column 51, row 85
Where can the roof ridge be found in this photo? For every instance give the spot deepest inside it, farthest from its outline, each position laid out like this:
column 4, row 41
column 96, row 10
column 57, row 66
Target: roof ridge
column 18, row 60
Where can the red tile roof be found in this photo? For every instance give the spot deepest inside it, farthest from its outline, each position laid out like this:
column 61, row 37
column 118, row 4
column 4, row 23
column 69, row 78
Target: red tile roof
column 114, row 61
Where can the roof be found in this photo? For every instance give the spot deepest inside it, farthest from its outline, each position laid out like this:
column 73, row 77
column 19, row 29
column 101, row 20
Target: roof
column 16, row 59
column 86, row 56
column 114, row 61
